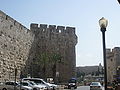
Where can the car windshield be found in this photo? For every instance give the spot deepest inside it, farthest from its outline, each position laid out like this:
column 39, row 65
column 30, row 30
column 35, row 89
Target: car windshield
column 72, row 81
column 94, row 83
column 24, row 84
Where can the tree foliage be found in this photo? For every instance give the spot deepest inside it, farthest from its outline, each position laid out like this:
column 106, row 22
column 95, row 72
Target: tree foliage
column 55, row 58
column 49, row 58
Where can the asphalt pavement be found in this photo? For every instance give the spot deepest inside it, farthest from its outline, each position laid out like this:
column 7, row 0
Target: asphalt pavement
column 81, row 88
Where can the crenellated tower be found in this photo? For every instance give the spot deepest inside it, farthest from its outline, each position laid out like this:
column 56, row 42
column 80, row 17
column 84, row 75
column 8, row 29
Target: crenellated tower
column 57, row 39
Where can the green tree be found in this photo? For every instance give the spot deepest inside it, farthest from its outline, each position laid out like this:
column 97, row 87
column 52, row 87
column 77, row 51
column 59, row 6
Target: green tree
column 80, row 76
column 54, row 59
column 43, row 59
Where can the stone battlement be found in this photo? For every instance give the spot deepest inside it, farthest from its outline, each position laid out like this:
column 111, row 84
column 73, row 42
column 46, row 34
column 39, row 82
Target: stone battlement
column 53, row 28
column 33, row 26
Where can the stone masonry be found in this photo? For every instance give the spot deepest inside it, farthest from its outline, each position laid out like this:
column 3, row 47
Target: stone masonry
column 113, row 63
column 56, row 39
column 20, row 48
column 15, row 43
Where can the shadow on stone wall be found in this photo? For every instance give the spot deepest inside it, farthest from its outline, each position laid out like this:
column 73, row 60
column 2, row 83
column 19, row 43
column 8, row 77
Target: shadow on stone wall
column 49, row 40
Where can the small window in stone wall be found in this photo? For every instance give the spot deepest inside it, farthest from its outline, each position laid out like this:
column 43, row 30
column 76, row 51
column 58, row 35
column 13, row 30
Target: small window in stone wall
column 6, row 17
column 111, row 60
column 1, row 32
column 11, row 26
column 14, row 22
column 60, row 31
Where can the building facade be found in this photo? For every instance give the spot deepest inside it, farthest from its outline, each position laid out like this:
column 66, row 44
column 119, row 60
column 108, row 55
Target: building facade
column 22, row 48
column 113, row 63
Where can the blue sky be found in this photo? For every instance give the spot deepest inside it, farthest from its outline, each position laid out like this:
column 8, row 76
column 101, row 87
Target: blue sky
column 81, row 14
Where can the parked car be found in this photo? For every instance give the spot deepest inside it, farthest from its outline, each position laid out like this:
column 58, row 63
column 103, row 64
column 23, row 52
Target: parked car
column 72, row 83
column 33, row 85
column 95, row 86
column 39, row 81
column 111, row 86
column 10, row 85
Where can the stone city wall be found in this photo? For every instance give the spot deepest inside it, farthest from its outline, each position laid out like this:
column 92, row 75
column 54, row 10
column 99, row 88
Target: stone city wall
column 19, row 48
column 113, row 63
column 15, row 43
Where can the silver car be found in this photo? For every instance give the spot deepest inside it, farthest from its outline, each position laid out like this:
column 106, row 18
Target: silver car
column 11, row 85
column 33, row 85
column 95, row 86
column 39, row 81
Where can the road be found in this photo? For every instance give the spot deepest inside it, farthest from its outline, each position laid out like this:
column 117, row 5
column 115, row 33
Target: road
column 81, row 88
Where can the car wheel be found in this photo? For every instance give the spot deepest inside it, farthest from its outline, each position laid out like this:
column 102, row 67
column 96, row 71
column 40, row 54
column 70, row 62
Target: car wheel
column 75, row 87
column 53, row 88
column 34, row 88
column 4, row 89
column 69, row 87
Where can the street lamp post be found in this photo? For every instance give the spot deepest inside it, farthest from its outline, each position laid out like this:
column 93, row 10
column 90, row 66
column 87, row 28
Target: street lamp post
column 103, row 24
column 118, row 1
